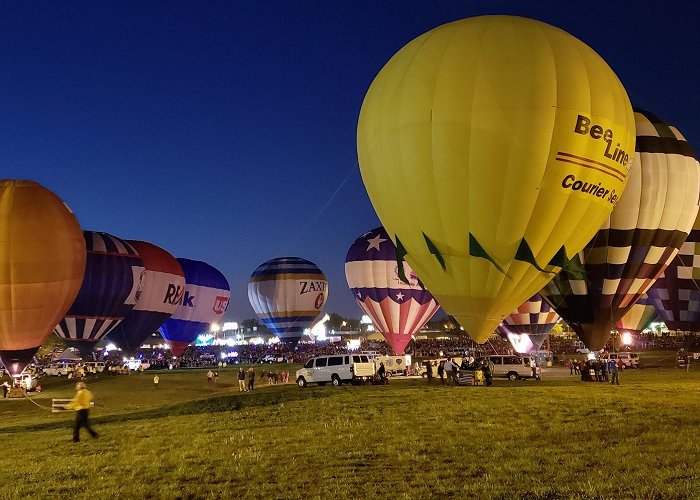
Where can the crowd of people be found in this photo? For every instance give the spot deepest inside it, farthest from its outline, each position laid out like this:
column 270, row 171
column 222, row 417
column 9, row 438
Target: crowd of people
column 597, row 370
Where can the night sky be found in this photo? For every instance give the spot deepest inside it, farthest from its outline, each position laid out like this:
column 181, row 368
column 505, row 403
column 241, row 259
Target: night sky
column 225, row 131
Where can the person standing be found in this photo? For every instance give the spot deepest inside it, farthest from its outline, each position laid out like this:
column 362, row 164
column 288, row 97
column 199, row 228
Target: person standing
column 429, row 371
column 441, row 372
column 251, row 379
column 382, row 374
column 455, row 372
column 533, row 367
column 241, row 380
column 448, row 371
column 81, row 402
column 210, row 376
column 156, row 381
column 614, row 374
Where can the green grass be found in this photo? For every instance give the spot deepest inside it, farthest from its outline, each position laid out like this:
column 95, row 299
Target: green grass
column 559, row 438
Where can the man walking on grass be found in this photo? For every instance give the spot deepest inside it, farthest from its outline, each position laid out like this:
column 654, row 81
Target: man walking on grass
column 614, row 374
column 81, row 402
column 156, row 381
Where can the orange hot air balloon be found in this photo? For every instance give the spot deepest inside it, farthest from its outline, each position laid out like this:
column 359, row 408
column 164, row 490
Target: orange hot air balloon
column 42, row 261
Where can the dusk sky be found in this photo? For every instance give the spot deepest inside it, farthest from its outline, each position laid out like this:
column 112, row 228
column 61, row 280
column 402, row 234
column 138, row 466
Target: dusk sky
column 225, row 131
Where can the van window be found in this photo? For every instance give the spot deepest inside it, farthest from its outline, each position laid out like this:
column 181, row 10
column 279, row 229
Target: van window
column 335, row 361
column 511, row 360
column 496, row 360
column 321, row 362
column 356, row 359
column 347, row 360
column 364, row 359
column 309, row 364
column 633, row 355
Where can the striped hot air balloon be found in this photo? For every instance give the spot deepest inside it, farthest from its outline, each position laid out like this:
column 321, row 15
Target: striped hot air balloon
column 676, row 294
column 110, row 290
column 42, row 261
column 287, row 294
column 639, row 316
column 398, row 305
column 642, row 236
column 205, row 300
column 162, row 290
column 527, row 327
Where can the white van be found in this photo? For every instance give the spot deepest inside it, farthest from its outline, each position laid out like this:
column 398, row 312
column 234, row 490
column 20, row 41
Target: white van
column 394, row 365
column 59, row 369
column 511, row 367
column 629, row 359
column 335, row 369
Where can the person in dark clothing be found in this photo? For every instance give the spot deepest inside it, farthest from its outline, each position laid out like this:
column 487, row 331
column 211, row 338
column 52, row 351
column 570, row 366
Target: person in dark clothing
column 441, row 372
column 382, row 374
column 429, row 371
column 251, row 379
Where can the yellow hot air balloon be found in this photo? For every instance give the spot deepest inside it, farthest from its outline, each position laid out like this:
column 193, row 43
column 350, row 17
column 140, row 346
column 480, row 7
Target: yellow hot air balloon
column 42, row 261
column 492, row 149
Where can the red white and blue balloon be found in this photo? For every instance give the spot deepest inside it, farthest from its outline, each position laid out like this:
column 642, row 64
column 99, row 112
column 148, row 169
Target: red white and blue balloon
column 162, row 291
column 397, row 309
column 204, row 301
column 528, row 326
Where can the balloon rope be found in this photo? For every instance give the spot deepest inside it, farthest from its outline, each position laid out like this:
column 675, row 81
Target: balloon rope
column 300, row 233
column 34, row 402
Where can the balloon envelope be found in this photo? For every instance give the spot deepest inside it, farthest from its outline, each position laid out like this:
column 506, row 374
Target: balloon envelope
column 110, row 289
column 676, row 294
column 162, row 288
column 288, row 294
column 42, row 261
column 516, row 138
column 205, row 300
column 398, row 309
column 642, row 236
column 639, row 316
column 527, row 327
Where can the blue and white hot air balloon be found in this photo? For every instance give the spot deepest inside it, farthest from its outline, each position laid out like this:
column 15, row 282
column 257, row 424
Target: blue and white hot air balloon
column 206, row 298
column 111, row 287
column 398, row 305
column 288, row 294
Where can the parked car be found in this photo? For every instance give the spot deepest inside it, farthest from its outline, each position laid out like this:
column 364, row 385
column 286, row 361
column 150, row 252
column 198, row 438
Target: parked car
column 628, row 359
column 511, row 367
column 336, row 369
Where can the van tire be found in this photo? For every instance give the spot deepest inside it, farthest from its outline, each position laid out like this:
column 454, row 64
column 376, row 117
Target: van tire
column 513, row 376
column 335, row 380
column 301, row 382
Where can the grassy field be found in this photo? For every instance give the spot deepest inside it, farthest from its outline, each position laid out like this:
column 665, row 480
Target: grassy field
column 558, row 438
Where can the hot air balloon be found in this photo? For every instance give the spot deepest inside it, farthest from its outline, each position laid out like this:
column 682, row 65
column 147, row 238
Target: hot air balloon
column 527, row 327
column 643, row 234
column 639, row 316
column 395, row 301
column 110, row 290
column 42, row 256
column 287, row 294
column 676, row 294
column 204, row 301
column 516, row 138
column 162, row 289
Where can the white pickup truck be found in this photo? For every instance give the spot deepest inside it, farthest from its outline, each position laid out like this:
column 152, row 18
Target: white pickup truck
column 336, row 369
